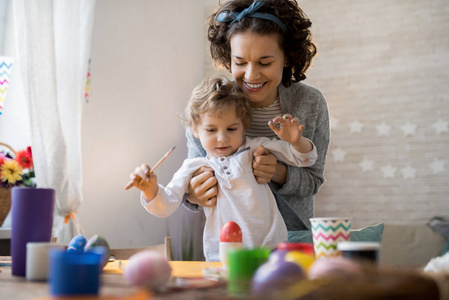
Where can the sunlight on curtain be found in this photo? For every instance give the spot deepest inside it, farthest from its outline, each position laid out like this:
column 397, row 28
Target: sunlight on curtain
column 53, row 46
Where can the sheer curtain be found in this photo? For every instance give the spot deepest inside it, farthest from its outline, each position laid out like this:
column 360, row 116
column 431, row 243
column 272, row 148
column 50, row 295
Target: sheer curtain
column 53, row 46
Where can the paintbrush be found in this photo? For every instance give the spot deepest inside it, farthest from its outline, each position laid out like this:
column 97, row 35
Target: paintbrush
column 130, row 184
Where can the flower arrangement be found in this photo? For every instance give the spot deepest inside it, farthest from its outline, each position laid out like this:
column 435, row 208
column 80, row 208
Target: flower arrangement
column 16, row 169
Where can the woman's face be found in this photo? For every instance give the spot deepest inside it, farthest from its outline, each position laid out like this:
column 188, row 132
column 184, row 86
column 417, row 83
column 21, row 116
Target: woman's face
column 257, row 62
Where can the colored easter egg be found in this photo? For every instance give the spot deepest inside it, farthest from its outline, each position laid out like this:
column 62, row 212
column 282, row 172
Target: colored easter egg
column 147, row 269
column 302, row 259
column 230, row 232
column 77, row 244
column 277, row 255
column 275, row 275
column 334, row 267
column 99, row 241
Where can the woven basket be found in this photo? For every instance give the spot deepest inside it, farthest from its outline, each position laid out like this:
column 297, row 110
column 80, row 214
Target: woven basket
column 5, row 195
column 5, row 203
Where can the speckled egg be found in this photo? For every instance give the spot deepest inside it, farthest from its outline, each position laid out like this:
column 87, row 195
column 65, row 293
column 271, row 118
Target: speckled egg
column 77, row 244
column 334, row 267
column 147, row 269
column 99, row 241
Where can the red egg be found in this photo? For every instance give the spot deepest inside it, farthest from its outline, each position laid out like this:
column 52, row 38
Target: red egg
column 230, row 232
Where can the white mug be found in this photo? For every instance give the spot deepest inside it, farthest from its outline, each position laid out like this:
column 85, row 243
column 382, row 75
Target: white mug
column 37, row 259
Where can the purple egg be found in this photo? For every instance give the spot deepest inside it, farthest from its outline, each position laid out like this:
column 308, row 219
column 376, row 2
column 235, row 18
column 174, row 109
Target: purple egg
column 277, row 255
column 275, row 275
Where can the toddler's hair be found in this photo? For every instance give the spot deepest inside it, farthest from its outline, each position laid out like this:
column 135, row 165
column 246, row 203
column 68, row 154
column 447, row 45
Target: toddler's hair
column 215, row 95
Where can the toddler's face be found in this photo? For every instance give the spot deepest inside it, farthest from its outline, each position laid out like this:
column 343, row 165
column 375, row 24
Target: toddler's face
column 220, row 136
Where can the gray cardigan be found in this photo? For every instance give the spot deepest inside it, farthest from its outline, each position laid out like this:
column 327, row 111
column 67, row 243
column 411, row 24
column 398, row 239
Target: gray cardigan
column 295, row 197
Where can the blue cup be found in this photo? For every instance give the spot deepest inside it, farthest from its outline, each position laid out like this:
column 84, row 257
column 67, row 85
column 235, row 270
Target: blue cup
column 74, row 273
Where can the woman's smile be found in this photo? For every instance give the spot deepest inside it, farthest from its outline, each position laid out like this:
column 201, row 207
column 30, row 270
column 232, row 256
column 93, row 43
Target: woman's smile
column 257, row 64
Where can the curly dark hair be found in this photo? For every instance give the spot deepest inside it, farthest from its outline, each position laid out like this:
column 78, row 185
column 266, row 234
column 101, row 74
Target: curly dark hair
column 216, row 94
column 296, row 41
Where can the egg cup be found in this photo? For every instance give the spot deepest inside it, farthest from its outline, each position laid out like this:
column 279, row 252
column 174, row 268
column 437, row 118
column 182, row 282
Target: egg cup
column 224, row 247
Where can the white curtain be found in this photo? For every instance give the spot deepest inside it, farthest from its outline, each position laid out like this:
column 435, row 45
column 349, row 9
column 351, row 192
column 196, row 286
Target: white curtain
column 53, row 47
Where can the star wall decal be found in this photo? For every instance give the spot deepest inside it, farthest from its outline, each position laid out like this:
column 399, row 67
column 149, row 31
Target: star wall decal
column 437, row 166
column 440, row 127
column 339, row 154
column 408, row 172
column 356, row 127
column 383, row 129
column 367, row 165
column 389, row 171
column 334, row 123
column 408, row 128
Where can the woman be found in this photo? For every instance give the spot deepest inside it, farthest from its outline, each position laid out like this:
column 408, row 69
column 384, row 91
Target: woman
column 267, row 47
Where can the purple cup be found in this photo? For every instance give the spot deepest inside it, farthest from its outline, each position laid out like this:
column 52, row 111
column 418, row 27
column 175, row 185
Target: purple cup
column 32, row 221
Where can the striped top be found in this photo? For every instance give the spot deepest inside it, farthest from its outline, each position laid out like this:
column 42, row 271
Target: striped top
column 261, row 116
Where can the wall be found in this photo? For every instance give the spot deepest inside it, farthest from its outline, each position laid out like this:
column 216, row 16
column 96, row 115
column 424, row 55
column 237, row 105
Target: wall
column 384, row 69
column 146, row 58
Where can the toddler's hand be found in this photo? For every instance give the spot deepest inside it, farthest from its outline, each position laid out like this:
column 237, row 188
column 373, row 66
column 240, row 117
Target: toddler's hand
column 290, row 130
column 144, row 180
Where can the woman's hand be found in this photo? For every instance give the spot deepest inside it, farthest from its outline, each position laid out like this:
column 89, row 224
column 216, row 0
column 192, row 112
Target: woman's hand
column 264, row 165
column 203, row 188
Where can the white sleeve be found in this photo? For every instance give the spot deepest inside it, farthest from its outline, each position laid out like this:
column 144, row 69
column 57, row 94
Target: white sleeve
column 286, row 152
column 169, row 198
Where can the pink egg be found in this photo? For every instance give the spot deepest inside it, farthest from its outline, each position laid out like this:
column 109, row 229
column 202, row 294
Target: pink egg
column 334, row 267
column 147, row 268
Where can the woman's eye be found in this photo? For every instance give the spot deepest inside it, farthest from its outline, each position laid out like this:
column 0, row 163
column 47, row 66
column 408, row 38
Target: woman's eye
column 239, row 63
column 265, row 64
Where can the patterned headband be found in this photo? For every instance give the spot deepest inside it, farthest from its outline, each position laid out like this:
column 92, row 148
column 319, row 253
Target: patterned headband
column 251, row 12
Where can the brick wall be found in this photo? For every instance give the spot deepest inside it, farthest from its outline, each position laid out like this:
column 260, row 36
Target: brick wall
column 383, row 67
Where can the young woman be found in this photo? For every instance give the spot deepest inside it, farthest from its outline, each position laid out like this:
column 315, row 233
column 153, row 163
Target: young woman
column 267, row 47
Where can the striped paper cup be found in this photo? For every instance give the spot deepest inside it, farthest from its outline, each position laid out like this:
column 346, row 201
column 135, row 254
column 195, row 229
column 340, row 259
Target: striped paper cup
column 327, row 232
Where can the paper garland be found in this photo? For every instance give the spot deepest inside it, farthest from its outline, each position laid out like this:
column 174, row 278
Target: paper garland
column 5, row 73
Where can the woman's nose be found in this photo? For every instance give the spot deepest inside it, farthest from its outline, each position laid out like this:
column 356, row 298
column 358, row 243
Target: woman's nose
column 251, row 72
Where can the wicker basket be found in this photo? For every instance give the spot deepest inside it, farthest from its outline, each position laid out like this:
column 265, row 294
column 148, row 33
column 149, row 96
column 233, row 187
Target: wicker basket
column 5, row 195
column 5, row 203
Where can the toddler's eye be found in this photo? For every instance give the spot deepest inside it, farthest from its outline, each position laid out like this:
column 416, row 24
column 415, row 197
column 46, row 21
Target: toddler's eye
column 210, row 130
column 232, row 129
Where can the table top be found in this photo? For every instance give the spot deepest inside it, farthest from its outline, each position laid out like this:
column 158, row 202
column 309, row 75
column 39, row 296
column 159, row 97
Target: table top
column 186, row 283
column 185, row 279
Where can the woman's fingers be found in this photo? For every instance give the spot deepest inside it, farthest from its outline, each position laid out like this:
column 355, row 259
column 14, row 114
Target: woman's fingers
column 264, row 165
column 203, row 188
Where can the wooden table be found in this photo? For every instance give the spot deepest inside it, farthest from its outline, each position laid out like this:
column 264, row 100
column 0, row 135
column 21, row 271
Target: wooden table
column 113, row 285
column 376, row 283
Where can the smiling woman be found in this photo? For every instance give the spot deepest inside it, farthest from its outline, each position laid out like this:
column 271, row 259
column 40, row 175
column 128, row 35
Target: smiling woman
column 267, row 46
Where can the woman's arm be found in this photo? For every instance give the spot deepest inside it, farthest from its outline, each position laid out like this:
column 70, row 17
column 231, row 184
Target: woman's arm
column 305, row 182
